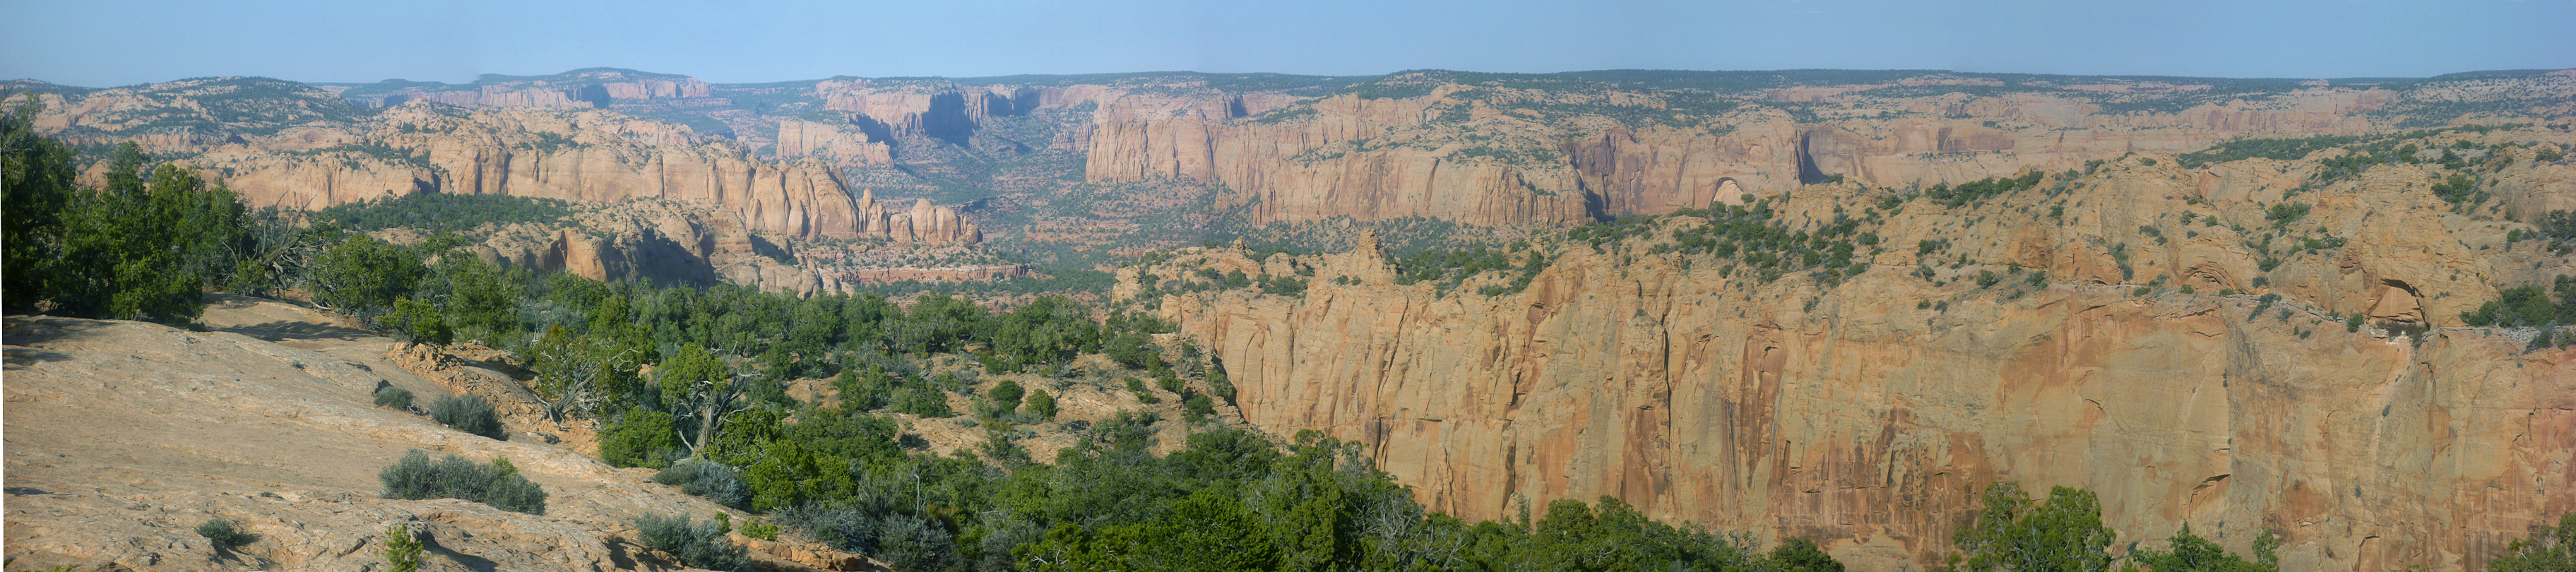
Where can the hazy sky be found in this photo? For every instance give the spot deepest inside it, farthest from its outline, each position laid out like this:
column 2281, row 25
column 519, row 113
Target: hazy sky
column 118, row 42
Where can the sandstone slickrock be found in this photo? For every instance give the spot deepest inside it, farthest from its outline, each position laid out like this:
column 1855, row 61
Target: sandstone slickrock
column 123, row 436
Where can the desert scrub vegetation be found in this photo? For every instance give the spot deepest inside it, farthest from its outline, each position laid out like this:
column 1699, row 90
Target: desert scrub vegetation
column 416, row 477
column 712, row 481
column 394, row 397
column 225, row 532
column 469, row 413
column 443, row 212
column 1982, row 189
column 145, row 246
column 402, row 550
column 2530, row 307
column 697, row 544
column 1450, row 268
column 1754, row 238
column 2065, row 532
column 2550, row 549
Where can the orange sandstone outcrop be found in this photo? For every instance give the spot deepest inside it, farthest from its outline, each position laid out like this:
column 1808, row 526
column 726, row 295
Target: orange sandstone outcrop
column 1875, row 410
column 838, row 144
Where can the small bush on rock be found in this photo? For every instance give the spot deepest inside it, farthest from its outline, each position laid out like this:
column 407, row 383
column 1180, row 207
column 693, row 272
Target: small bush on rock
column 394, row 397
column 469, row 413
column 712, row 480
column 225, row 533
column 499, row 484
column 699, row 545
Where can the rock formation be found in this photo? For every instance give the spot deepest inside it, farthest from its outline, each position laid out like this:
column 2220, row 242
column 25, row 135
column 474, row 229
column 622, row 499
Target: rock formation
column 593, row 87
column 837, row 144
column 922, row 223
column 1499, row 155
column 267, row 421
column 579, row 155
column 1872, row 411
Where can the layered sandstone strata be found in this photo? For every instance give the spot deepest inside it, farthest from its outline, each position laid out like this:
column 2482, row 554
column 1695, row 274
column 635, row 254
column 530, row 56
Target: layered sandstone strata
column 580, row 88
column 1430, row 155
column 586, row 156
column 1872, row 412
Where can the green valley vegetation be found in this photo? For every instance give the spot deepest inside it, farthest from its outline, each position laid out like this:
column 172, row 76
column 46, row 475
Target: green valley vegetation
column 2015, row 533
column 443, row 212
column 2550, row 549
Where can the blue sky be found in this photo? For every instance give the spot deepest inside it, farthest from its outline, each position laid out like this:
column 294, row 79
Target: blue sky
column 118, row 42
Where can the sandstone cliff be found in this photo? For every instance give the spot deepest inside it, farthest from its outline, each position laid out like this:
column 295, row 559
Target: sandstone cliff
column 580, row 155
column 1871, row 410
column 670, row 243
column 592, row 87
column 1493, row 153
column 838, row 144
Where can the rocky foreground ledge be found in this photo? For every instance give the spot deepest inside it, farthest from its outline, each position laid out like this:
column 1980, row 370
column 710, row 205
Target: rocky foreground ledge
column 123, row 436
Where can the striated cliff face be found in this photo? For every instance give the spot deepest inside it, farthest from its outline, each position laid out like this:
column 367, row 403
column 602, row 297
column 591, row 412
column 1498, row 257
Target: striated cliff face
column 307, row 149
column 673, row 242
column 588, row 156
column 1873, row 409
column 941, row 110
column 1493, row 154
column 593, row 87
column 837, row 144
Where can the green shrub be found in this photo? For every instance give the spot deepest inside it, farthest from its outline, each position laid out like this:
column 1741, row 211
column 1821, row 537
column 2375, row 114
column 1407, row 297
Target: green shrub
column 1801, row 555
column 225, row 533
column 1199, row 405
column 131, row 250
column 1006, row 396
column 419, row 322
column 697, row 544
column 402, row 551
column 394, row 397
column 499, row 484
column 715, row 481
column 2525, row 306
column 469, row 413
column 2552, row 549
column 1042, row 404
column 2013, row 533
column 760, row 530
column 919, row 398
column 2285, row 213
column 2190, row 553
column 364, row 276
column 1137, row 386
column 641, row 438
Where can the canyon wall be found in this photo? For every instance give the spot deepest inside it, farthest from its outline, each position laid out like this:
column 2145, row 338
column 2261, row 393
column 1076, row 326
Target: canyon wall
column 1431, row 155
column 579, row 88
column 586, row 156
column 1872, row 412
column 940, row 109
column 837, row 144
column 512, row 149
